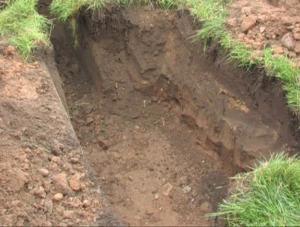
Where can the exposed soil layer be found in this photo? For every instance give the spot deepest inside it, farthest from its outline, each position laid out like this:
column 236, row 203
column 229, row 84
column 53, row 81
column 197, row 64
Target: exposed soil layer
column 267, row 23
column 162, row 124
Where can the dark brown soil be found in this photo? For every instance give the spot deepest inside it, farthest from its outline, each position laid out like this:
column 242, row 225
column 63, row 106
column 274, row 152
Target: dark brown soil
column 162, row 124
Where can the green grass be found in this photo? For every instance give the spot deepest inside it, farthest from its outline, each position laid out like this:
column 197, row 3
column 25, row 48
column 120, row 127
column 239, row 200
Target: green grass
column 267, row 196
column 23, row 26
column 66, row 9
column 212, row 14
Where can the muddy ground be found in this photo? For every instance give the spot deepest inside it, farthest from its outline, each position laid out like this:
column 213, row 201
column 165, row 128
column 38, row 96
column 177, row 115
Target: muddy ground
column 162, row 124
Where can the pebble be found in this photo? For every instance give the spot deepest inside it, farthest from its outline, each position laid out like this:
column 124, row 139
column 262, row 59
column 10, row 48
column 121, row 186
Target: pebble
column 206, row 207
column 55, row 149
column 167, row 188
column 68, row 214
column 86, row 203
column 74, row 182
column 89, row 120
column 74, row 160
column 156, row 197
column 58, row 197
column 248, row 23
column 186, row 189
column 40, row 192
column 61, row 183
column 44, row 172
column 48, row 206
column 288, row 41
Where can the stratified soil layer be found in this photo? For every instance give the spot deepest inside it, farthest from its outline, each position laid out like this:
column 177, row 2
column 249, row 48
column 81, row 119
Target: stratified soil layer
column 162, row 124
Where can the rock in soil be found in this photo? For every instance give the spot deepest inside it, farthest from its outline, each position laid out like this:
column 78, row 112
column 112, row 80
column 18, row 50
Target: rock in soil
column 248, row 23
column 288, row 41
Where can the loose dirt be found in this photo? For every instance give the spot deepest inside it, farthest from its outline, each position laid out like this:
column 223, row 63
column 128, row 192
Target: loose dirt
column 267, row 23
column 44, row 180
column 163, row 125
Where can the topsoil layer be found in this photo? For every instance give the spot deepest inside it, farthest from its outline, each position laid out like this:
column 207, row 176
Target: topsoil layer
column 163, row 124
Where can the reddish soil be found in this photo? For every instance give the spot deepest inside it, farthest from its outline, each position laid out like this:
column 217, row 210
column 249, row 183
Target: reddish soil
column 163, row 126
column 267, row 23
column 40, row 155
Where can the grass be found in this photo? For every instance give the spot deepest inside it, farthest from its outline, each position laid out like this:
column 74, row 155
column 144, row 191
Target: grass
column 66, row 9
column 23, row 26
column 212, row 14
column 267, row 196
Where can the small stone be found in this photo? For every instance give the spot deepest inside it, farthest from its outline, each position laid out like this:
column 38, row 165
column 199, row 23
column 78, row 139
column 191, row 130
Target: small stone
column 83, row 187
column 262, row 29
column 89, row 120
column 166, row 189
column 86, row 203
column 297, row 48
column 231, row 22
column 74, row 182
column 58, row 197
column 136, row 127
column 10, row 51
column 287, row 20
column 48, row 206
column 74, row 160
column 44, row 172
column 156, row 197
column 40, row 192
column 47, row 185
column 246, row 10
column 55, row 149
column 296, row 36
column 248, row 23
column 206, row 207
column 68, row 214
column 61, row 183
column 186, row 189
column 15, row 203
column 288, row 41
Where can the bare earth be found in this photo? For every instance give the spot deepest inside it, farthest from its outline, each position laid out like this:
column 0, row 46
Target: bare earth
column 260, row 23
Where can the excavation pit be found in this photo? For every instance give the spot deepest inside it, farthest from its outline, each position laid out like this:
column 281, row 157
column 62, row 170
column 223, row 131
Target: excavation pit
column 162, row 124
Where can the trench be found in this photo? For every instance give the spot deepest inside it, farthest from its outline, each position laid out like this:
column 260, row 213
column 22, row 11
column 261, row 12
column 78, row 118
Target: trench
column 162, row 124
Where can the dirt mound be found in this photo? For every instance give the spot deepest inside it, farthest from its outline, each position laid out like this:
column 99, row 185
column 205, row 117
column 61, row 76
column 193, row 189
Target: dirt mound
column 265, row 23
column 43, row 178
column 162, row 124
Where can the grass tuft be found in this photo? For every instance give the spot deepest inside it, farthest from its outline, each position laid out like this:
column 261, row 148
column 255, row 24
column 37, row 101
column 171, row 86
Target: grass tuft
column 267, row 196
column 66, row 9
column 23, row 26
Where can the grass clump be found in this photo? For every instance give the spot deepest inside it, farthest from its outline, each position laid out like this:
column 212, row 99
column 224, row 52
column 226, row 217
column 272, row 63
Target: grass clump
column 66, row 9
column 23, row 26
column 267, row 196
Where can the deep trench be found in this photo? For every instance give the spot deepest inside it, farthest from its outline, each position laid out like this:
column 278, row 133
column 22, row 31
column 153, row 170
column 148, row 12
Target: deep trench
column 163, row 124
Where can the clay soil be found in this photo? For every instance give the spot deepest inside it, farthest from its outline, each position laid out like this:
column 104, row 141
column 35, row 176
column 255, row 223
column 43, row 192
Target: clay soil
column 162, row 125
column 43, row 176
column 267, row 23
